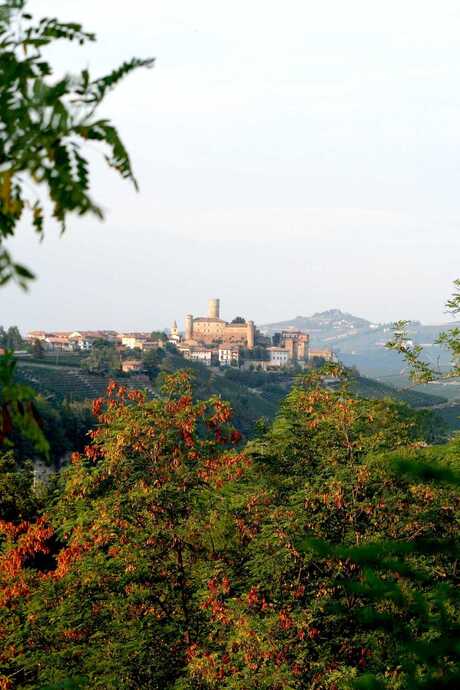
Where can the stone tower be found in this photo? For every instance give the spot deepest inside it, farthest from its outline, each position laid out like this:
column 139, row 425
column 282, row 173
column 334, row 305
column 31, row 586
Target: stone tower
column 189, row 327
column 214, row 309
column 251, row 335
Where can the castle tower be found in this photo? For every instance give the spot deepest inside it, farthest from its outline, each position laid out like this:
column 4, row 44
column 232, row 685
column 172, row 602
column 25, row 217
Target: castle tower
column 214, row 309
column 251, row 335
column 189, row 327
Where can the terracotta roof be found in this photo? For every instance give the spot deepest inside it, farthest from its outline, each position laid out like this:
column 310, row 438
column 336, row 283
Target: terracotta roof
column 58, row 339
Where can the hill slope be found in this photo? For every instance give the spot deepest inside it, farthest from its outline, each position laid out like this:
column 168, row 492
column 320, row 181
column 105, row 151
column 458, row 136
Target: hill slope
column 252, row 394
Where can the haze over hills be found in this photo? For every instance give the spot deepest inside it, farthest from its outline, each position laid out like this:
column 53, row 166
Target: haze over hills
column 361, row 343
column 347, row 333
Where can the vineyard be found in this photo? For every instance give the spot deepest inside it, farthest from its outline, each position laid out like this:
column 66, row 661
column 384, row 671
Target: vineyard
column 65, row 383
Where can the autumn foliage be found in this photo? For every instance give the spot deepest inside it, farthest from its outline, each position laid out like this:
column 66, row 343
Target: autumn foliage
column 172, row 557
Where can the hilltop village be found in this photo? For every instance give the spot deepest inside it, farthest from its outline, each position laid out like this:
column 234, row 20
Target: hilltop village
column 210, row 340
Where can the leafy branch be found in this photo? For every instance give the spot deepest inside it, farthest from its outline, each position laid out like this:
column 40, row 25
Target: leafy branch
column 421, row 371
column 45, row 125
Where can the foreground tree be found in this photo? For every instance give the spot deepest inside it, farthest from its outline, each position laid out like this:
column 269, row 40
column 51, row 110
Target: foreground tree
column 337, row 588
column 422, row 371
column 322, row 558
column 109, row 584
column 45, row 127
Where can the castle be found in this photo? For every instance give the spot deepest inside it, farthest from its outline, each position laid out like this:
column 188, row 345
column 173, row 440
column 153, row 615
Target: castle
column 212, row 329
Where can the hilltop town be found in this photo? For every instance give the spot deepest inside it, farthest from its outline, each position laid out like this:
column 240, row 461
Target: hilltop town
column 209, row 340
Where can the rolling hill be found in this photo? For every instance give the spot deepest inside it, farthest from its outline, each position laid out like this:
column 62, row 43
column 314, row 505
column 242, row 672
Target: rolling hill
column 252, row 394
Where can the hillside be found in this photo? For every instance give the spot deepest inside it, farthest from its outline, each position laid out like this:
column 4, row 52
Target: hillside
column 57, row 383
column 252, row 394
column 370, row 388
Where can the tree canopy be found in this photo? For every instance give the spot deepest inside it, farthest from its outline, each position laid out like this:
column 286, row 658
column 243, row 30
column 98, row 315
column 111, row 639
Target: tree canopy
column 321, row 555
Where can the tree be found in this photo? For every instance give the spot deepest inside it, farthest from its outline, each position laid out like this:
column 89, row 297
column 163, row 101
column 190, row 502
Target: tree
column 12, row 339
column 258, row 353
column 159, row 335
column 420, row 370
column 108, row 589
column 336, row 588
column 38, row 350
column 102, row 360
column 323, row 556
column 45, row 127
column 238, row 319
column 17, row 500
column 102, row 343
column 152, row 360
column 65, row 426
column 18, row 409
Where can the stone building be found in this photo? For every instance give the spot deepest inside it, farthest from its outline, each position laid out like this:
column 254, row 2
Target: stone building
column 213, row 329
column 297, row 344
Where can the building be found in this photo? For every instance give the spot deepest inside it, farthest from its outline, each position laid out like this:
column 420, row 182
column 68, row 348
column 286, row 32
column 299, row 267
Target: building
column 229, row 355
column 35, row 335
column 213, row 329
column 68, row 341
column 134, row 340
column 278, row 357
column 327, row 355
column 174, row 335
column 297, row 343
column 131, row 365
column 58, row 343
column 198, row 354
column 148, row 345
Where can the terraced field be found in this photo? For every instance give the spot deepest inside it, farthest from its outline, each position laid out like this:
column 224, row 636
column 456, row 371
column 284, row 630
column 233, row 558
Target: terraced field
column 68, row 383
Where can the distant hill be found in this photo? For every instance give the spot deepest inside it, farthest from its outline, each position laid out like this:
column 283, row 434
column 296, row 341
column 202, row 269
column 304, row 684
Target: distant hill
column 370, row 388
column 335, row 328
column 332, row 324
column 361, row 343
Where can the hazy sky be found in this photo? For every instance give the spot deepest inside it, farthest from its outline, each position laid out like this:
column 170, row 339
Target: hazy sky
column 293, row 156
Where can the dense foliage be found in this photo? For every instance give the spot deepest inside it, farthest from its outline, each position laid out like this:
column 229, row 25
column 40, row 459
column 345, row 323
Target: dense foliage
column 322, row 554
column 11, row 339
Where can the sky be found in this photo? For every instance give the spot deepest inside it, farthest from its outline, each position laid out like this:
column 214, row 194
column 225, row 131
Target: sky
column 292, row 157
